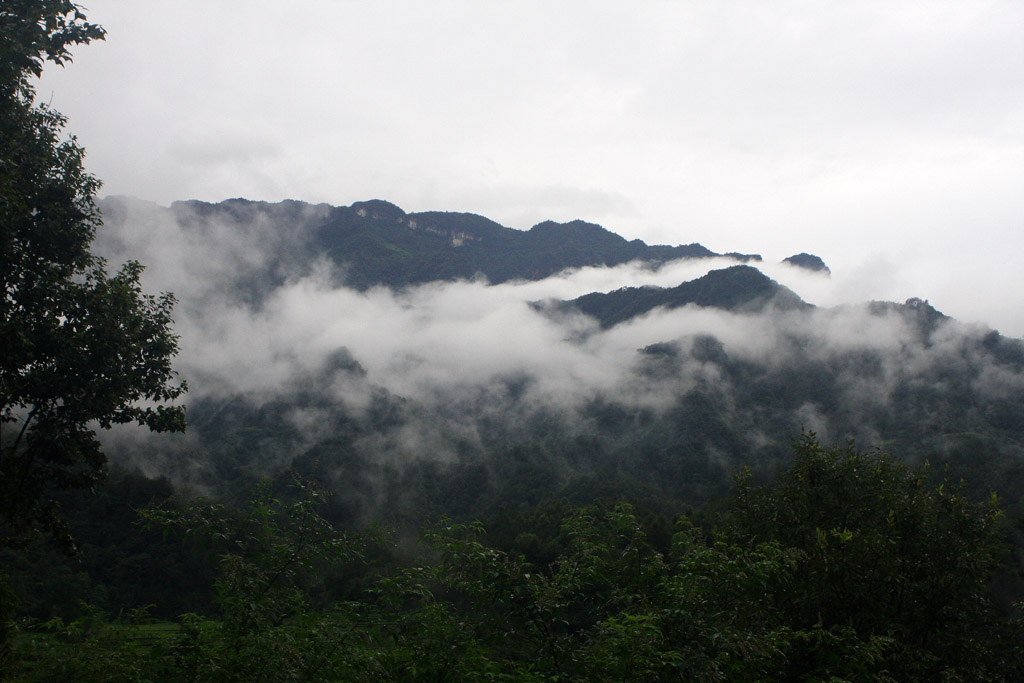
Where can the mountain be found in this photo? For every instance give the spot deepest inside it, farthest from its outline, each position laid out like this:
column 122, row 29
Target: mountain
column 309, row 349
column 379, row 244
column 737, row 288
column 375, row 243
column 808, row 262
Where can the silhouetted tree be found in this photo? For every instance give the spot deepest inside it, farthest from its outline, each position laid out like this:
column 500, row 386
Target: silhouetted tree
column 81, row 348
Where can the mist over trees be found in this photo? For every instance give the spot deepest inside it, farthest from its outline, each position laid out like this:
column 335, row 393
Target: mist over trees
column 537, row 385
column 429, row 447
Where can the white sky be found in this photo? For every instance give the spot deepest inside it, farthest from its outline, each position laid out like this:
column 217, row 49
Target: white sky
column 886, row 137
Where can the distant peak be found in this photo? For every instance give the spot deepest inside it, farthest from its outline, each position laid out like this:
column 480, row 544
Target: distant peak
column 378, row 209
column 808, row 262
column 738, row 288
column 745, row 258
column 571, row 226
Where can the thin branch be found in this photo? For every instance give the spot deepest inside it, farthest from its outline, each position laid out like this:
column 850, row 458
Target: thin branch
column 17, row 441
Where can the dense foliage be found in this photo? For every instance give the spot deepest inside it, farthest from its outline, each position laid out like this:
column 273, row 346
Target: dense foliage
column 613, row 546
column 80, row 348
column 850, row 566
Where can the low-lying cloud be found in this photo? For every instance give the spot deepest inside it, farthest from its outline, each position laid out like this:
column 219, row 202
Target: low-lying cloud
column 476, row 359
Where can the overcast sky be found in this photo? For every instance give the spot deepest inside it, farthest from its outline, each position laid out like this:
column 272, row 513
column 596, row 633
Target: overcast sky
column 885, row 137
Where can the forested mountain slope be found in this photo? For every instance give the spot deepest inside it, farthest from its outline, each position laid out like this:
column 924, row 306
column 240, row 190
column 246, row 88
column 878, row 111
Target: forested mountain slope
column 428, row 447
column 376, row 243
column 349, row 368
column 447, row 393
column 737, row 288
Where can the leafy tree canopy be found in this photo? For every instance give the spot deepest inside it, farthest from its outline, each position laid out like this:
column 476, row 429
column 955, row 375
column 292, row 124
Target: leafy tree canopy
column 850, row 567
column 33, row 32
column 81, row 348
column 885, row 552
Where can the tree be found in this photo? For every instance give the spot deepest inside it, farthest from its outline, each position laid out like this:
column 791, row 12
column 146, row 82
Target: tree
column 887, row 554
column 81, row 349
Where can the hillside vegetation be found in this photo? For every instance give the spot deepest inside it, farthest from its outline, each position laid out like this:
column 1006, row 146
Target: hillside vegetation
column 429, row 447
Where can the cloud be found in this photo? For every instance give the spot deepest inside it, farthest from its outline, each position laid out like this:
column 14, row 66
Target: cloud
column 525, row 206
column 853, row 130
column 440, row 337
column 459, row 371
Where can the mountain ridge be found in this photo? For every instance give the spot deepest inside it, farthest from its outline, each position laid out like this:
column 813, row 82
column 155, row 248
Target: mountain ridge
column 399, row 401
column 376, row 243
column 736, row 288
